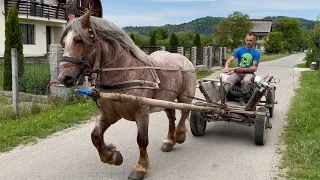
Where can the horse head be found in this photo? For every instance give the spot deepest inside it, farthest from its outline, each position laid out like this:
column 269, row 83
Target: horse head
column 80, row 45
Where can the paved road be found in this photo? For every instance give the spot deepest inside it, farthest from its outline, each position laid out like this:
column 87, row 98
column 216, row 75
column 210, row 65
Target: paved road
column 227, row 151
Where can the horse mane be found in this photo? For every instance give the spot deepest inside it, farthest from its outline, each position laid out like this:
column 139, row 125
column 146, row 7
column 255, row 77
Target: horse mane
column 108, row 32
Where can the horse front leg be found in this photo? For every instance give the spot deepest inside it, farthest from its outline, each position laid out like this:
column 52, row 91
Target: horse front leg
column 107, row 152
column 170, row 141
column 140, row 169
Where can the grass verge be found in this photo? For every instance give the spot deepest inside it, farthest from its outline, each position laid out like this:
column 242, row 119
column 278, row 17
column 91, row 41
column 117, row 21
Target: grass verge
column 203, row 74
column 301, row 157
column 44, row 123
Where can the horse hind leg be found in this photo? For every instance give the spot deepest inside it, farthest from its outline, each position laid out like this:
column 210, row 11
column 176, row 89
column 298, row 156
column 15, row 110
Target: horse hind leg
column 170, row 141
column 108, row 153
column 181, row 129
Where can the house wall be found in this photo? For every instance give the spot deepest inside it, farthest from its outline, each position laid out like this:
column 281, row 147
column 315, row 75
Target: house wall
column 40, row 46
column 2, row 28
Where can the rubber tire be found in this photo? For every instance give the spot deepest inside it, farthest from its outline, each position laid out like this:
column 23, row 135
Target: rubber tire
column 197, row 124
column 270, row 99
column 260, row 127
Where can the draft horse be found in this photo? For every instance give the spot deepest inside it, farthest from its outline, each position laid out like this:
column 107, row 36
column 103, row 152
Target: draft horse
column 99, row 49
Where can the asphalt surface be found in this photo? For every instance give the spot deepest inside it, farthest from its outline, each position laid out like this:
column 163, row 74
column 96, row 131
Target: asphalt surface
column 226, row 151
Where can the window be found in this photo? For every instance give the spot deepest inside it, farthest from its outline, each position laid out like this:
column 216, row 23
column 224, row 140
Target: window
column 258, row 46
column 260, row 37
column 27, row 33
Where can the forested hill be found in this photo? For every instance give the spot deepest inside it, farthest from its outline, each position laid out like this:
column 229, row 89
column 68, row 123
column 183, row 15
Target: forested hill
column 308, row 24
column 203, row 25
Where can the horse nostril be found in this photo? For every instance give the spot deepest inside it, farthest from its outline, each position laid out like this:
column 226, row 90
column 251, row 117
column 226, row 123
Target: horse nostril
column 67, row 78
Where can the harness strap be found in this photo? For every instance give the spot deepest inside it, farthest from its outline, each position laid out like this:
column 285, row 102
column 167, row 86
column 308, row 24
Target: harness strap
column 143, row 67
column 127, row 85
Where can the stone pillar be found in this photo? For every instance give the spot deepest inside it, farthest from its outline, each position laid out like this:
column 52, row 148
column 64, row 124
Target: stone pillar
column 205, row 56
column 210, row 59
column 180, row 50
column 54, row 59
column 223, row 56
column 162, row 48
column 194, row 56
column 58, row 91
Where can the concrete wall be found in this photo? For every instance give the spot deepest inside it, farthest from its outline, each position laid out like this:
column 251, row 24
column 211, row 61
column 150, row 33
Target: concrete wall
column 2, row 28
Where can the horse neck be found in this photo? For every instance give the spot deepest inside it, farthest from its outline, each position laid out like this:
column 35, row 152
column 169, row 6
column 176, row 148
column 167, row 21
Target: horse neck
column 125, row 59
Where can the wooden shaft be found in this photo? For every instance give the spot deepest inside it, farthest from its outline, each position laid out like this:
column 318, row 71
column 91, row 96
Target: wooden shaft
column 160, row 103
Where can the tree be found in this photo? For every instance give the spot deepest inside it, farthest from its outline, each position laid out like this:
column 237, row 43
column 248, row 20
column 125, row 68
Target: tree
column 153, row 41
column 174, row 40
column 291, row 31
column 185, row 38
column 13, row 34
column 132, row 37
column 231, row 31
column 273, row 43
column 197, row 40
column 160, row 33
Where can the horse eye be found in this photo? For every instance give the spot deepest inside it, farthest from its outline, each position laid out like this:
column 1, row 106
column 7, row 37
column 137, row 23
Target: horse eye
column 79, row 41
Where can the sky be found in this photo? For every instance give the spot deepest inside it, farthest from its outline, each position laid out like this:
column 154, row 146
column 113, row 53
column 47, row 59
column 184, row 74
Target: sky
column 160, row 12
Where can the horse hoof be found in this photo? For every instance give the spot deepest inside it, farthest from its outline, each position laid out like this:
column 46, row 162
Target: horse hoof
column 167, row 147
column 134, row 175
column 119, row 158
column 181, row 138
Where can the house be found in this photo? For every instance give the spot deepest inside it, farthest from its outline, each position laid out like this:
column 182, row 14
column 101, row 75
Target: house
column 42, row 21
column 261, row 28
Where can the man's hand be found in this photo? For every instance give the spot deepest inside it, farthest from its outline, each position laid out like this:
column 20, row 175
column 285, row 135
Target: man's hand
column 227, row 70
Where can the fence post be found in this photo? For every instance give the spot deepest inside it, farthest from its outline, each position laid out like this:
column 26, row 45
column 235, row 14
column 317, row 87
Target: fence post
column 162, row 48
column 194, row 56
column 180, row 50
column 55, row 57
column 210, row 56
column 205, row 57
column 15, row 83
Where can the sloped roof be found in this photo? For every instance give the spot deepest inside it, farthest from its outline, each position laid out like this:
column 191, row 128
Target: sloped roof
column 261, row 25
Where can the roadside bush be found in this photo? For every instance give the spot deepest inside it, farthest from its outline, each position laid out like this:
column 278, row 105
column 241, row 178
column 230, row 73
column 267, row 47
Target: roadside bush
column 311, row 56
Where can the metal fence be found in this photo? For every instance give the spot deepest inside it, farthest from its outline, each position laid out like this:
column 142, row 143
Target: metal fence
column 36, row 75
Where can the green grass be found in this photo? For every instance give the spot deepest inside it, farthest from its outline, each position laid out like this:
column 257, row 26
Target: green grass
column 1, row 75
column 4, row 101
column 263, row 58
column 301, row 65
column 44, row 123
column 203, row 74
column 301, row 158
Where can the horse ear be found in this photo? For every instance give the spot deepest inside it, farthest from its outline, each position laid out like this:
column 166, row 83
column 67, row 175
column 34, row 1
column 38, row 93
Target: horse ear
column 86, row 19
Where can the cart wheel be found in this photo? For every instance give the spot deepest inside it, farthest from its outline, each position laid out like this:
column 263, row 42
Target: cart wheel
column 197, row 124
column 270, row 99
column 261, row 127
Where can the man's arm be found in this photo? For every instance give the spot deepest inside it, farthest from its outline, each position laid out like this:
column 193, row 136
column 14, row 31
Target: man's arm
column 228, row 62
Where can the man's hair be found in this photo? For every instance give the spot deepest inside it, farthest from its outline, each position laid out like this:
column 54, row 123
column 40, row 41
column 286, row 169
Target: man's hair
column 251, row 33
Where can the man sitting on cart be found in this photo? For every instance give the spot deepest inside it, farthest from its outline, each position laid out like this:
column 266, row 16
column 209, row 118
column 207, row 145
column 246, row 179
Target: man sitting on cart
column 248, row 61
